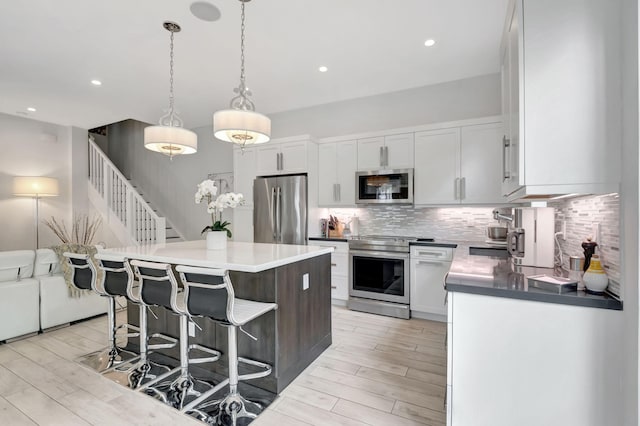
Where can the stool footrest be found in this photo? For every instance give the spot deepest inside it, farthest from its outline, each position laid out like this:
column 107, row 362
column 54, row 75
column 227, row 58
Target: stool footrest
column 265, row 373
column 172, row 342
column 216, row 354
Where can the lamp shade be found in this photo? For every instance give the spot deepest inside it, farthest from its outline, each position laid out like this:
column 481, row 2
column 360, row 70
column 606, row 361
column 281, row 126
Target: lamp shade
column 35, row 186
column 241, row 127
column 170, row 140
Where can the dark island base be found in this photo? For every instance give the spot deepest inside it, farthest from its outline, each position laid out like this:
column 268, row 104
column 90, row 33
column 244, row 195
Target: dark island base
column 289, row 338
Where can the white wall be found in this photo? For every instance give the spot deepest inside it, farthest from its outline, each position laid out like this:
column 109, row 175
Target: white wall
column 169, row 185
column 629, row 210
column 451, row 101
column 32, row 148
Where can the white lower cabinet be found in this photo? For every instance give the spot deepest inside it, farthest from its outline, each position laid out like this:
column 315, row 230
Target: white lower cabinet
column 527, row 363
column 339, row 267
column 429, row 266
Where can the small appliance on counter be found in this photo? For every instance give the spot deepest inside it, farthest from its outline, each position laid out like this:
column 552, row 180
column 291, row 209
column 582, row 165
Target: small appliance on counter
column 530, row 239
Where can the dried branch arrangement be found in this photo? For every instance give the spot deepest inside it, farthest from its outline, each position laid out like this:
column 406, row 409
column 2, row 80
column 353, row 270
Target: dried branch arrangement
column 83, row 229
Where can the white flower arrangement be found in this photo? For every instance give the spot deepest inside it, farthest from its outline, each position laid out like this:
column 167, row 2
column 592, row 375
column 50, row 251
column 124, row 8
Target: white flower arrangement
column 208, row 189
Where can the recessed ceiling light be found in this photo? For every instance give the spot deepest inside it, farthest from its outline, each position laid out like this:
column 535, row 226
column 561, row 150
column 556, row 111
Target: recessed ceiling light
column 430, row 42
column 31, row 109
column 323, row 69
column 96, row 82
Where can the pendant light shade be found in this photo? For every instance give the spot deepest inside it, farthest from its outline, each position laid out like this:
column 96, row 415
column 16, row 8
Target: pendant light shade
column 241, row 127
column 169, row 137
column 240, row 123
column 170, row 140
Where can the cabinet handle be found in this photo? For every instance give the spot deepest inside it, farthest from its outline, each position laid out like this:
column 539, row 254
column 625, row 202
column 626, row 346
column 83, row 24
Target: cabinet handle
column 277, row 161
column 386, row 156
column 381, row 156
column 339, row 192
column 334, row 264
column 430, row 262
column 281, row 161
column 506, row 143
column 463, row 188
column 430, row 253
column 334, row 286
column 456, row 188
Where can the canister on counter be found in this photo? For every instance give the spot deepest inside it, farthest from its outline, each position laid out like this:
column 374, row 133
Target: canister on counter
column 576, row 265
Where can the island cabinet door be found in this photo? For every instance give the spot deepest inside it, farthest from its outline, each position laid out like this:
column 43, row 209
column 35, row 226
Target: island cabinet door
column 303, row 295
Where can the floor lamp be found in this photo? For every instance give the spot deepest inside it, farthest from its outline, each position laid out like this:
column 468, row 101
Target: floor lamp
column 36, row 187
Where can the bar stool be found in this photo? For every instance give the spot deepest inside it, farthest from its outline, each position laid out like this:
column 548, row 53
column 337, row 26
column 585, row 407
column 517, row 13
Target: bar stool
column 84, row 277
column 209, row 293
column 159, row 287
column 118, row 281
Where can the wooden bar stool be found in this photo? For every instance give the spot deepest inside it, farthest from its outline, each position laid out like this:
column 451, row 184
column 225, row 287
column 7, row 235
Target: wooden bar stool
column 209, row 293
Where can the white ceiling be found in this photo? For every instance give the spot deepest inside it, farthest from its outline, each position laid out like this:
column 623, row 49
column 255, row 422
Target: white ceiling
column 50, row 51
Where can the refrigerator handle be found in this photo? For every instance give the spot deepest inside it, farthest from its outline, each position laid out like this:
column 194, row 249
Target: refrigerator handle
column 278, row 199
column 273, row 215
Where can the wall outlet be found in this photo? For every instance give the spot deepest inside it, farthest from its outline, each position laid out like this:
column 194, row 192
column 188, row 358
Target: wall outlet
column 595, row 232
column 305, row 282
column 192, row 329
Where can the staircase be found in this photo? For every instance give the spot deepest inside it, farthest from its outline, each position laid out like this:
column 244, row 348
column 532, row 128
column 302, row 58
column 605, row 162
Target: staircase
column 172, row 234
column 130, row 217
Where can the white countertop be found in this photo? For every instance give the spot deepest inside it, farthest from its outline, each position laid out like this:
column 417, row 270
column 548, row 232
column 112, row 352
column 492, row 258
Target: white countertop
column 243, row 257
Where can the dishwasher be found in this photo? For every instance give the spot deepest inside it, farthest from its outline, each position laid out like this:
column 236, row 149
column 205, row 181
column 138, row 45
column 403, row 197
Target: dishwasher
column 429, row 266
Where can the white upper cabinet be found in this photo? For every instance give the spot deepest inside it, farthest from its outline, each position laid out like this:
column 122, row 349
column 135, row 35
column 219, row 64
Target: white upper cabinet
column 336, row 173
column 561, row 65
column 437, row 167
column 386, row 152
column 511, row 50
column 480, row 164
column 459, row 165
column 281, row 158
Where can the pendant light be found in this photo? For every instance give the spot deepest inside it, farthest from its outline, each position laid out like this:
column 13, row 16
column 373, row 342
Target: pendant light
column 169, row 137
column 241, row 124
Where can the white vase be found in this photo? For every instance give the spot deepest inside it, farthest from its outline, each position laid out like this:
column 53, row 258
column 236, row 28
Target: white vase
column 216, row 240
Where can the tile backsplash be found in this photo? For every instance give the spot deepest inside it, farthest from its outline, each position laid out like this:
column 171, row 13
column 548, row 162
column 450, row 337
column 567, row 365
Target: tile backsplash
column 451, row 224
column 470, row 224
column 580, row 215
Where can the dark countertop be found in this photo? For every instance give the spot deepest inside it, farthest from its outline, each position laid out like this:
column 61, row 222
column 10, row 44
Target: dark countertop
column 433, row 244
column 342, row 240
column 498, row 276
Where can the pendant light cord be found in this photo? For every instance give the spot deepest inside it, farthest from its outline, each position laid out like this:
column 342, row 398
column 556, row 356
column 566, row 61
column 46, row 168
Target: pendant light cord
column 242, row 45
column 171, row 101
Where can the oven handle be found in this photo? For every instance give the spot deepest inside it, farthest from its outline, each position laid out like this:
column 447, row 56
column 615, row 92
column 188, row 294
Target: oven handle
column 380, row 254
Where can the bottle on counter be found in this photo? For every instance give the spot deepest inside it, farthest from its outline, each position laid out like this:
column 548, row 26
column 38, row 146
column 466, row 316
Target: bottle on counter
column 576, row 266
column 589, row 248
column 595, row 278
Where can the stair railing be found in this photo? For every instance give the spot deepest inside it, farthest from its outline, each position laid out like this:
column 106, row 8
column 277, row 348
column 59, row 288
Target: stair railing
column 143, row 225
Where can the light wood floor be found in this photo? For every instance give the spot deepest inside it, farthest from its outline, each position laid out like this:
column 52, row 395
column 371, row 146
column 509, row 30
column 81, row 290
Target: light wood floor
column 379, row 371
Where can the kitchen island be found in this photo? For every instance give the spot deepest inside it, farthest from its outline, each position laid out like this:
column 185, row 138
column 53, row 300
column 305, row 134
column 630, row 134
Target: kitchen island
column 522, row 355
column 296, row 277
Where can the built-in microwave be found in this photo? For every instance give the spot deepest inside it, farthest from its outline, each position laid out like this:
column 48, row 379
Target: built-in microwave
column 384, row 187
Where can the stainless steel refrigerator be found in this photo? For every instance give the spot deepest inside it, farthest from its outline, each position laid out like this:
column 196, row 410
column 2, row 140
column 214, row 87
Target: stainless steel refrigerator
column 280, row 209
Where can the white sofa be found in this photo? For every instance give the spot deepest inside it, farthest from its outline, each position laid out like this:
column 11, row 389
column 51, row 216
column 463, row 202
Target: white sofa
column 56, row 305
column 19, row 294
